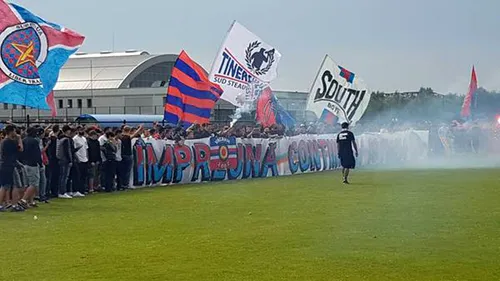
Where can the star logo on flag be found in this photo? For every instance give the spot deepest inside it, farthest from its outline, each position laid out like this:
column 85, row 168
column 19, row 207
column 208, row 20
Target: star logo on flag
column 23, row 50
column 32, row 53
column 26, row 54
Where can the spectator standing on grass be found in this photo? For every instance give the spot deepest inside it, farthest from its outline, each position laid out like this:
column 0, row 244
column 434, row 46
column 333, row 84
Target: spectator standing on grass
column 65, row 157
column 53, row 166
column 31, row 157
column 43, row 141
column 102, row 140
column 10, row 148
column 20, row 179
column 109, row 166
column 94, row 155
column 73, row 184
column 345, row 144
column 118, row 159
column 126, row 150
column 82, row 163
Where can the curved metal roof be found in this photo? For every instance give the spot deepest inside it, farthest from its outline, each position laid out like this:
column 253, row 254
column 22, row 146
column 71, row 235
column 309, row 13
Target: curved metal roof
column 107, row 70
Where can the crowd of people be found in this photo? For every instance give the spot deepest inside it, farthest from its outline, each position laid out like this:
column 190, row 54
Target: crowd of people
column 68, row 162
column 39, row 163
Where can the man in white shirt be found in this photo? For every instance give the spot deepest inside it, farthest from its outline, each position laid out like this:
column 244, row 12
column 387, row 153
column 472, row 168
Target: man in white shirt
column 102, row 140
column 119, row 173
column 82, row 158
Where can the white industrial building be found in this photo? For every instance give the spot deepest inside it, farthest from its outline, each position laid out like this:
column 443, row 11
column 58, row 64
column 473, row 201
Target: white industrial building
column 131, row 82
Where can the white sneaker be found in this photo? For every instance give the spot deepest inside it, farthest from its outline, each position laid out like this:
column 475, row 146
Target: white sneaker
column 65, row 196
column 78, row 194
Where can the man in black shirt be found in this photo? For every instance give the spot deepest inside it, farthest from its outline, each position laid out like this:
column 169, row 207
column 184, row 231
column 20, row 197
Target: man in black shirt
column 345, row 144
column 94, row 152
column 32, row 160
column 126, row 163
column 109, row 148
column 10, row 148
column 53, row 167
column 64, row 152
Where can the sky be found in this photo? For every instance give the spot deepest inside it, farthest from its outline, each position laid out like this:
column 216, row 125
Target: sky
column 393, row 45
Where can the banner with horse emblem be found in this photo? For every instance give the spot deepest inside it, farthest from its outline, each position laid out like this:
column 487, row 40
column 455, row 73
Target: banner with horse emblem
column 336, row 91
column 243, row 61
column 32, row 53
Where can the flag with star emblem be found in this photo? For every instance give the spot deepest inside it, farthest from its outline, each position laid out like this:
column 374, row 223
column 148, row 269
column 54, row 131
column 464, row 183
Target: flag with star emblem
column 32, row 52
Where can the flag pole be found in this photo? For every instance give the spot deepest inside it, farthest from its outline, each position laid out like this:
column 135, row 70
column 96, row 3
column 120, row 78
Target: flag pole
column 221, row 45
column 312, row 88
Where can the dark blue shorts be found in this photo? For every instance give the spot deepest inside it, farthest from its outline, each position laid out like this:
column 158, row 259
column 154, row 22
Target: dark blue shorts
column 347, row 161
column 6, row 176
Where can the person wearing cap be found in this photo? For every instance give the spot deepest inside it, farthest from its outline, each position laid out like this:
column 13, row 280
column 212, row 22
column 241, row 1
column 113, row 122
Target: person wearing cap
column 345, row 144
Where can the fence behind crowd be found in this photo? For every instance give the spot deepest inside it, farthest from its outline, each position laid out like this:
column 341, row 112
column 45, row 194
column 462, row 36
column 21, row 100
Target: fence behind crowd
column 218, row 158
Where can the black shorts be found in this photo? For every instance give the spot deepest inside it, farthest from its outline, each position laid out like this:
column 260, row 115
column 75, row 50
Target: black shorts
column 7, row 176
column 347, row 161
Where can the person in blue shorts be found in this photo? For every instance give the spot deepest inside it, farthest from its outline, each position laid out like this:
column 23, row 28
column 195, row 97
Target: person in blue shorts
column 10, row 148
column 345, row 144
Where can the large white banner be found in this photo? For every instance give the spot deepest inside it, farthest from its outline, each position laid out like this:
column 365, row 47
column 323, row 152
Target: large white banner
column 216, row 159
column 243, row 61
column 338, row 91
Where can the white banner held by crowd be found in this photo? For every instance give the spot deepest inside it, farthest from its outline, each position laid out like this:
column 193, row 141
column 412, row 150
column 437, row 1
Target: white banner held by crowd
column 218, row 158
column 339, row 91
column 243, row 61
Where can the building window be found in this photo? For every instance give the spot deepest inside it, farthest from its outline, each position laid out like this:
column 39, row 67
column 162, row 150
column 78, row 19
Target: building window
column 89, row 103
column 14, row 106
column 60, row 103
column 79, row 103
column 70, row 103
column 5, row 106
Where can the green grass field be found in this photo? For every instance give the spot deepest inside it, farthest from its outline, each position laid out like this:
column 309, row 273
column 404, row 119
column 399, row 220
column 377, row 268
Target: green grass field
column 405, row 225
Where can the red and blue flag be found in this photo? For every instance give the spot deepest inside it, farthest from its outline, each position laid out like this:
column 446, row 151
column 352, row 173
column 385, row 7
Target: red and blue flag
column 269, row 111
column 190, row 95
column 328, row 117
column 346, row 74
column 32, row 51
column 223, row 153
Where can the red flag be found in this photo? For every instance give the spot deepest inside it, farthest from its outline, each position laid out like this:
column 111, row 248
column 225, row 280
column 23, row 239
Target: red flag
column 265, row 114
column 52, row 104
column 470, row 95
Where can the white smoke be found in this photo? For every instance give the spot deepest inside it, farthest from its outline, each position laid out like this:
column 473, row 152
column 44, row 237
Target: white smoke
column 247, row 99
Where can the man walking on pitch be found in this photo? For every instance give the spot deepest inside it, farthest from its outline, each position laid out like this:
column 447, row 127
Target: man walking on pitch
column 345, row 144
